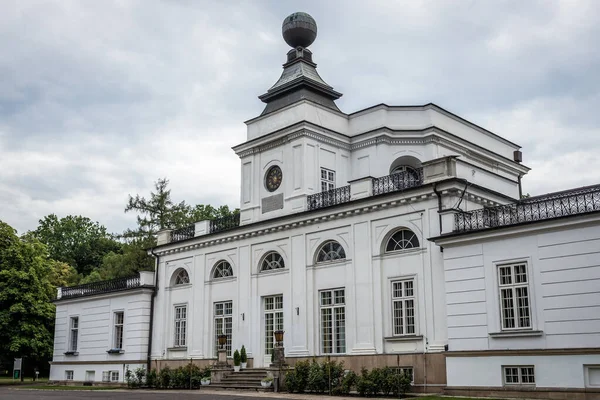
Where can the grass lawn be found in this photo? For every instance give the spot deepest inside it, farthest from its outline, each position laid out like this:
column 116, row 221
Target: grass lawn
column 7, row 380
column 450, row 398
column 60, row 387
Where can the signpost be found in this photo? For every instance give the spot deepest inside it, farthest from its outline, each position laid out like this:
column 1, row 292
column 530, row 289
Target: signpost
column 17, row 367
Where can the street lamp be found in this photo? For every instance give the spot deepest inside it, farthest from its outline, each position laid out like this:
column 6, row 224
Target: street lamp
column 279, row 337
column 222, row 340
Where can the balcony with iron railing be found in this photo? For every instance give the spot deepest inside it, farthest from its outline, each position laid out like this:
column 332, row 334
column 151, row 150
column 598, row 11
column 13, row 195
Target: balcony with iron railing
column 224, row 224
column 328, row 198
column 398, row 181
column 102, row 287
column 567, row 203
column 187, row 232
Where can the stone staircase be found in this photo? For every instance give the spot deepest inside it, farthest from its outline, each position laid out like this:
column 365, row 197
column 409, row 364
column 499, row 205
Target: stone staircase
column 246, row 379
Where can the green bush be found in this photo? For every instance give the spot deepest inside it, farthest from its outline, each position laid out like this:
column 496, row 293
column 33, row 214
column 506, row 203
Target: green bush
column 136, row 378
column 206, row 372
column 243, row 355
column 365, row 385
column 317, row 381
column 236, row 358
column 348, row 382
column 296, row 379
column 152, row 379
column 164, row 378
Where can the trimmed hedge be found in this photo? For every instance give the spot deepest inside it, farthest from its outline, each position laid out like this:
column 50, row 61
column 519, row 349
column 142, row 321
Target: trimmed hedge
column 331, row 377
column 187, row 377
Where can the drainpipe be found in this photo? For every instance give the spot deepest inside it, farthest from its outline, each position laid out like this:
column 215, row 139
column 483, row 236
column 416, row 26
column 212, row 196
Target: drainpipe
column 439, row 196
column 154, row 292
column 520, row 187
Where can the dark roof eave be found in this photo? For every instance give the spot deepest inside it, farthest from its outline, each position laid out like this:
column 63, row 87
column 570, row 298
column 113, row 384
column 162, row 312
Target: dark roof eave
column 298, row 82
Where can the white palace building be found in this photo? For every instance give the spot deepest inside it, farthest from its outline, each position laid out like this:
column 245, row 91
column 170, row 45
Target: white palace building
column 392, row 236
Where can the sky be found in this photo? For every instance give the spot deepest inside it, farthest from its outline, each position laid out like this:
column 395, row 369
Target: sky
column 99, row 99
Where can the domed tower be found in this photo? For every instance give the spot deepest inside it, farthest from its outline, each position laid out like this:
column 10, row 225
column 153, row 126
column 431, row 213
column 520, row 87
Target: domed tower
column 300, row 79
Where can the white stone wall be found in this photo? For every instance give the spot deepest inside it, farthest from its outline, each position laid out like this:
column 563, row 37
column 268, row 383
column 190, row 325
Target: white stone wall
column 96, row 333
column 365, row 275
column 563, row 261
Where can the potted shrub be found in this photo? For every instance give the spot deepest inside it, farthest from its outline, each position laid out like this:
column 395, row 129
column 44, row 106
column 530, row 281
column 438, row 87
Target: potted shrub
column 243, row 357
column 266, row 382
column 205, row 381
column 237, row 360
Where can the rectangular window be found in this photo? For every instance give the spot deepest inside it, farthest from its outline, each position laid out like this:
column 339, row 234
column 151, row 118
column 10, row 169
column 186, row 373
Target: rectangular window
column 333, row 321
column 105, row 376
column 180, row 326
column 408, row 371
column 114, row 376
column 514, row 296
column 519, row 375
column 118, row 330
column 273, row 320
column 74, row 333
column 69, row 375
column 403, row 307
column 223, row 324
column 327, row 179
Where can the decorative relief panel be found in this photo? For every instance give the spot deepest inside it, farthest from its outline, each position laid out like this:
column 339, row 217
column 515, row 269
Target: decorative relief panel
column 272, row 203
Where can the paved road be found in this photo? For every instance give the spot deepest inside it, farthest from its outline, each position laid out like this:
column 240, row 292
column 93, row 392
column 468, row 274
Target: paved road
column 24, row 394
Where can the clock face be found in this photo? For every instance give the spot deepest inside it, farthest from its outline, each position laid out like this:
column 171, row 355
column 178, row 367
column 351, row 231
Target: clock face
column 273, row 178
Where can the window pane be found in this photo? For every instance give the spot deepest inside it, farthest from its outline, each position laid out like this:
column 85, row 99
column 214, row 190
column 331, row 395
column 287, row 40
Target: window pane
column 339, row 297
column 520, row 273
column 397, row 289
column 410, row 316
column 527, row 375
column 326, row 298
column 508, row 314
column 398, row 318
column 523, row 307
column 408, row 288
column 511, row 375
column 505, row 276
column 327, row 330
column 340, row 328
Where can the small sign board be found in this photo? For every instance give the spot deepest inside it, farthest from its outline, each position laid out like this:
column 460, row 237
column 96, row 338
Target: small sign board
column 17, row 368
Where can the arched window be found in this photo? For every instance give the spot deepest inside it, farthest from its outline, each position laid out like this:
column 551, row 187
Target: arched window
column 402, row 239
column 272, row 260
column 407, row 172
column 181, row 277
column 222, row 270
column 330, row 251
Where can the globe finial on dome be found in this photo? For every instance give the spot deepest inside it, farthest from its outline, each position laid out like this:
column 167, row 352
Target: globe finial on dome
column 299, row 30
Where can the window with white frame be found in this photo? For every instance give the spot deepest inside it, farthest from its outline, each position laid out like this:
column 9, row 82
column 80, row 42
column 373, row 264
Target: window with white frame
column 74, row 333
column 333, row 321
column 402, row 239
column 223, row 324
column 180, row 326
column 403, row 307
column 330, row 251
column 118, row 330
column 69, row 375
column 272, row 260
column 519, row 375
column 182, row 277
column 407, row 371
column 222, row 270
column 327, row 179
column 273, row 320
column 513, row 282
column 114, row 376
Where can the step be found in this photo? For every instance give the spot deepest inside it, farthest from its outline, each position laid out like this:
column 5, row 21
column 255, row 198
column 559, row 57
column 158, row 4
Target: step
column 243, row 378
column 238, row 387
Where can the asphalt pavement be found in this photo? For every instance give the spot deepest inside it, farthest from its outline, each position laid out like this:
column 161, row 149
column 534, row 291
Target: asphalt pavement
column 7, row 393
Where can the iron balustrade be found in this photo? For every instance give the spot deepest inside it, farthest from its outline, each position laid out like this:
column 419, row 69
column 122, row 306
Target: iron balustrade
column 225, row 223
column 184, row 233
column 398, row 181
column 578, row 201
column 328, row 198
column 88, row 289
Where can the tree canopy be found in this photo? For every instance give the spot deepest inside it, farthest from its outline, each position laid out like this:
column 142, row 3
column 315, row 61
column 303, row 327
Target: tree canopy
column 75, row 240
column 26, row 310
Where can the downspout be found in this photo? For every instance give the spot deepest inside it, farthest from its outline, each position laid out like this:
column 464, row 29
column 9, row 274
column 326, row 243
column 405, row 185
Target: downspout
column 520, row 187
column 154, row 292
column 439, row 196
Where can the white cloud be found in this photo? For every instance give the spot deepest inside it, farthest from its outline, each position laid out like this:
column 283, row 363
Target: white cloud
column 99, row 99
